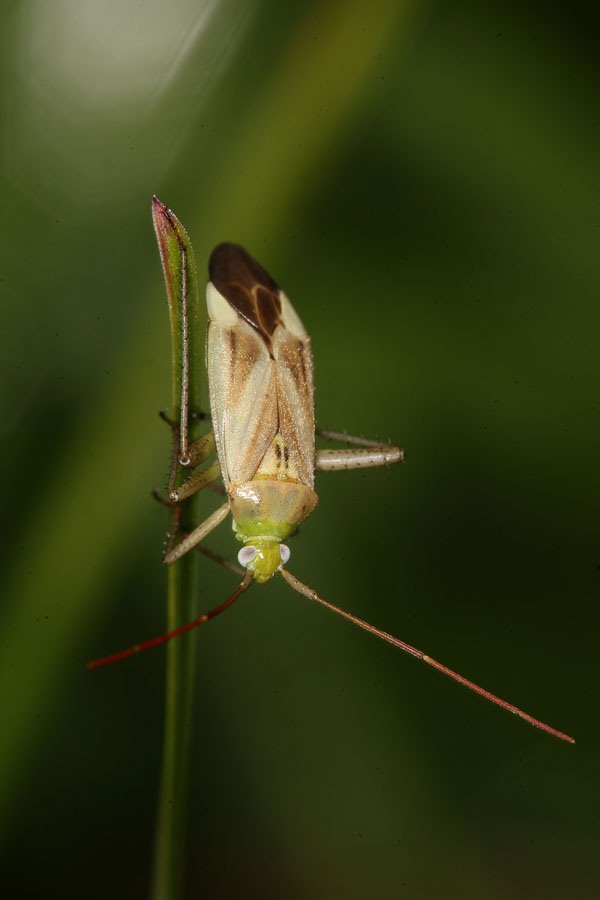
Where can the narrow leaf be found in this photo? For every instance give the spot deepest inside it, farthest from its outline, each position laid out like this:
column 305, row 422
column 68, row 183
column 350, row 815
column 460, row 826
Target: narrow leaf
column 187, row 340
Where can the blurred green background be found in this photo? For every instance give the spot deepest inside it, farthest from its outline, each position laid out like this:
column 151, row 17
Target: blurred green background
column 423, row 180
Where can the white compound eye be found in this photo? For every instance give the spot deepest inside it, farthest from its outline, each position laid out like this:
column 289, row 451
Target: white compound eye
column 284, row 552
column 246, row 555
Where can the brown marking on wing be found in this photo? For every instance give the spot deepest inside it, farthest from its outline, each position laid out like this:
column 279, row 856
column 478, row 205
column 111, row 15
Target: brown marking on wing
column 295, row 405
column 292, row 354
column 247, row 287
column 301, row 374
column 244, row 354
column 232, row 342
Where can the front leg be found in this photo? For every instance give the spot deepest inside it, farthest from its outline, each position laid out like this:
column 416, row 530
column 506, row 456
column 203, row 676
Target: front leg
column 196, row 536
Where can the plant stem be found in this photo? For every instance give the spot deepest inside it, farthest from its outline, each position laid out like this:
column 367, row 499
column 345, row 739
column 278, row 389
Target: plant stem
column 180, row 683
column 187, row 364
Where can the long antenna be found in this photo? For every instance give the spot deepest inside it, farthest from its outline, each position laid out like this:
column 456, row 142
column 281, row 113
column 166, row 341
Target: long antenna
column 302, row 588
column 163, row 638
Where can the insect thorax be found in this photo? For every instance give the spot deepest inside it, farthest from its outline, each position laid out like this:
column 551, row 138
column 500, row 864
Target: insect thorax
column 268, row 509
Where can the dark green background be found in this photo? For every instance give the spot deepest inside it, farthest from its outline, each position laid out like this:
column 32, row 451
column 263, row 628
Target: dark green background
column 423, row 179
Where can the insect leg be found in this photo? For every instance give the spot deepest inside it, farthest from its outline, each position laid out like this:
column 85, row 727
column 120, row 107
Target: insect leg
column 198, row 450
column 196, row 482
column 345, row 438
column 200, row 416
column 197, row 535
column 174, row 466
column 216, row 557
column 370, row 454
column 306, row 591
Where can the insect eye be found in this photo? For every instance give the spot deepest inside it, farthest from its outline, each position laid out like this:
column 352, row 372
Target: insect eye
column 284, row 551
column 246, row 555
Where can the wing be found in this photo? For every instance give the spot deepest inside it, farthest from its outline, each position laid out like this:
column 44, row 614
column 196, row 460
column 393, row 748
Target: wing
column 295, row 390
column 260, row 369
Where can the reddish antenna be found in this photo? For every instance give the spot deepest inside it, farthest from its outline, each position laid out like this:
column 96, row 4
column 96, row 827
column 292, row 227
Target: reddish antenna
column 163, row 638
column 302, row 588
column 306, row 591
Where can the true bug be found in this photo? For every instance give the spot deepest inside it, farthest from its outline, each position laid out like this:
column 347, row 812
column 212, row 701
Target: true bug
column 260, row 377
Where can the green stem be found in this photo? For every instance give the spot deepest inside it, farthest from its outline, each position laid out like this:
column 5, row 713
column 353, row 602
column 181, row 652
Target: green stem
column 180, row 682
column 182, row 294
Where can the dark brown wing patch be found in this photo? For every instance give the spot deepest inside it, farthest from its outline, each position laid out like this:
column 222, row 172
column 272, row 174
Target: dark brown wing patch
column 247, row 287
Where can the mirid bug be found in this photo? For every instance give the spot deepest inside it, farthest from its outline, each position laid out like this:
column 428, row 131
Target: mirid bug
column 260, row 378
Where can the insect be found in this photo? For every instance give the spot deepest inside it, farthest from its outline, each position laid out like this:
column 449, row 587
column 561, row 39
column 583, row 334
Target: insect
column 260, row 377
